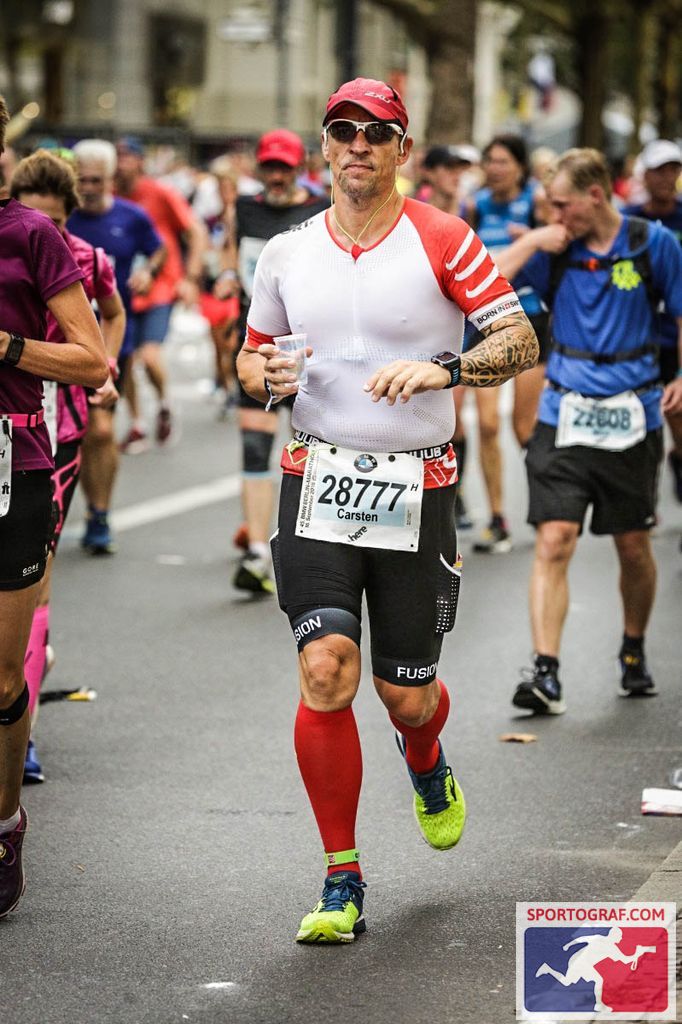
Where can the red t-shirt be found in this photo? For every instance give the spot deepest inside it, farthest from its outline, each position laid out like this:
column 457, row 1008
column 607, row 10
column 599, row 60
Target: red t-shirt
column 172, row 215
column 35, row 264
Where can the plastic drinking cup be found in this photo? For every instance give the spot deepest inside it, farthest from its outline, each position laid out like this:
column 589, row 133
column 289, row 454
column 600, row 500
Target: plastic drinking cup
column 294, row 346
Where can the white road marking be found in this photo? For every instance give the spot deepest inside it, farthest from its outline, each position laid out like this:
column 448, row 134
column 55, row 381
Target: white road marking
column 176, row 504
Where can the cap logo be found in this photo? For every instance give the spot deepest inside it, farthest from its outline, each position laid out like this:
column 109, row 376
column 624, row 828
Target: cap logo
column 378, row 96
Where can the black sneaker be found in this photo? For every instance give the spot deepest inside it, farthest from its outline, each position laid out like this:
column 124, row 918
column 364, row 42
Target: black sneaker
column 539, row 691
column 495, row 539
column 12, row 882
column 635, row 680
column 253, row 575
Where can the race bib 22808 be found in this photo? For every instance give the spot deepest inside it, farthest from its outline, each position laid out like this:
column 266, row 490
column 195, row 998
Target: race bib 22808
column 613, row 424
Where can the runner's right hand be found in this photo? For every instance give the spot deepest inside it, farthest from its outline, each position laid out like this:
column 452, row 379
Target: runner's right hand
column 279, row 369
column 553, row 238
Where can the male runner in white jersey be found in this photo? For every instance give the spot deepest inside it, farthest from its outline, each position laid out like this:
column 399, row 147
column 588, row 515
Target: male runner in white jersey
column 381, row 286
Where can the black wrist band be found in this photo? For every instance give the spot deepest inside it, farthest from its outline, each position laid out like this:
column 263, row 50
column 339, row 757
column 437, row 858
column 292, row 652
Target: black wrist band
column 272, row 398
column 14, row 349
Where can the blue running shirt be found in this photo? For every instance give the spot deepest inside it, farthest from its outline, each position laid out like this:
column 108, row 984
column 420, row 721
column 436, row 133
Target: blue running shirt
column 492, row 227
column 607, row 311
column 123, row 231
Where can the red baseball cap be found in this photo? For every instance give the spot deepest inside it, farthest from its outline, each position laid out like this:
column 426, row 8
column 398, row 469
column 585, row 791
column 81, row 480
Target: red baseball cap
column 377, row 98
column 284, row 146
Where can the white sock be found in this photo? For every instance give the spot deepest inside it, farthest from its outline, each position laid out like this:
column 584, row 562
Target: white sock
column 9, row 824
column 260, row 548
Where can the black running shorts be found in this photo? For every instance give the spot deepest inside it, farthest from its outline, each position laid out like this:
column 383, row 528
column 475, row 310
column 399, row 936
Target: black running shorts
column 26, row 530
column 620, row 486
column 411, row 596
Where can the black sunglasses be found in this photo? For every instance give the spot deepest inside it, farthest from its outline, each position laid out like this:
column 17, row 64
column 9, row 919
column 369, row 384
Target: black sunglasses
column 377, row 133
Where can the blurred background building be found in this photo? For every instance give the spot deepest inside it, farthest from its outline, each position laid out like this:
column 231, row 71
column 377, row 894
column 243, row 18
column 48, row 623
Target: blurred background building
column 205, row 73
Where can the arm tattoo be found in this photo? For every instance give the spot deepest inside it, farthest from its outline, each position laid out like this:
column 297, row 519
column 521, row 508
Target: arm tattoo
column 509, row 347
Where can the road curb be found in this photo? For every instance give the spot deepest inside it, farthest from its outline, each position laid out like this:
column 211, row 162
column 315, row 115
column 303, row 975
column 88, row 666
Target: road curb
column 665, row 884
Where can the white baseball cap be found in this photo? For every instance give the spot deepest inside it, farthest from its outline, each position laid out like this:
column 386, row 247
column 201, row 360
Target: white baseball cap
column 660, row 152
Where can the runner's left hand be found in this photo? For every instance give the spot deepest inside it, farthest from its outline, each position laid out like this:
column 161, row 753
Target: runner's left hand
column 405, row 378
column 106, row 396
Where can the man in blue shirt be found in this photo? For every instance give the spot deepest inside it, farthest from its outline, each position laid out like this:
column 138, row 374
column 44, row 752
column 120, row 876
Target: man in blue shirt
column 598, row 439
column 125, row 232
column 661, row 161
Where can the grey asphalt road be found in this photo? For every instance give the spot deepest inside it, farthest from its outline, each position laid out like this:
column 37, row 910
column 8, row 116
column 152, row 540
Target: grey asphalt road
column 172, row 851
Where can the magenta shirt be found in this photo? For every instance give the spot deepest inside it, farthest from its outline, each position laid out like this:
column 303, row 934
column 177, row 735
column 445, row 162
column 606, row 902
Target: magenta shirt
column 98, row 283
column 35, row 264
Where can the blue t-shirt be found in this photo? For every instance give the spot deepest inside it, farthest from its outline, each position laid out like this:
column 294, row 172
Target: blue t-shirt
column 492, row 220
column 123, row 231
column 665, row 326
column 606, row 311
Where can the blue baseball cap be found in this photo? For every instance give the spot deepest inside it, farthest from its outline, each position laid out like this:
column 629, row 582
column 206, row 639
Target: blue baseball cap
column 130, row 144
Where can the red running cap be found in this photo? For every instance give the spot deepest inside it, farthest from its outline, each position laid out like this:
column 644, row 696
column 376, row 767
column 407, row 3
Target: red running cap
column 282, row 145
column 377, row 98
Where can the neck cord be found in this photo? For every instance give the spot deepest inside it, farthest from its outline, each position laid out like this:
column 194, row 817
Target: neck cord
column 356, row 241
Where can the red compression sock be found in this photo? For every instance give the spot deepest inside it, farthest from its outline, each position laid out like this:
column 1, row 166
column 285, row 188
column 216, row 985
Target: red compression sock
column 421, row 752
column 36, row 652
column 330, row 761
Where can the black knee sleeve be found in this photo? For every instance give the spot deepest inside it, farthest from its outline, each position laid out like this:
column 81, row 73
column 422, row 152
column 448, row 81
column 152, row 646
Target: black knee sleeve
column 405, row 671
column 12, row 714
column 322, row 622
column 256, row 450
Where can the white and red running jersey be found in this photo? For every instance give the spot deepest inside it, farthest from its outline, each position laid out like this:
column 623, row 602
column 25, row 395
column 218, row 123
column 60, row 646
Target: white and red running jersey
column 405, row 297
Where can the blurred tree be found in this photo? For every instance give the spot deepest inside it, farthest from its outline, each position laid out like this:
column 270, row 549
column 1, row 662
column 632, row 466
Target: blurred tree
column 588, row 25
column 667, row 81
column 447, row 31
column 631, row 45
column 19, row 22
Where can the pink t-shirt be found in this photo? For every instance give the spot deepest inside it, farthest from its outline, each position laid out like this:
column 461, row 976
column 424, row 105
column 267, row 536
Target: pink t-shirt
column 35, row 264
column 99, row 283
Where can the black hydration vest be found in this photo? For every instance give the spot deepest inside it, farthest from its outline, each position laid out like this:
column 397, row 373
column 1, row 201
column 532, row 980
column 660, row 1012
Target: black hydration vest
column 638, row 246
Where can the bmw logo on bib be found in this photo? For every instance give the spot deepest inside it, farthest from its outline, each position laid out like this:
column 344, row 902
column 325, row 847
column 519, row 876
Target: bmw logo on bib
column 365, row 463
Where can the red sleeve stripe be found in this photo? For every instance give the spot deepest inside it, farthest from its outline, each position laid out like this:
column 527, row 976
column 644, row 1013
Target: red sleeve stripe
column 255, row 339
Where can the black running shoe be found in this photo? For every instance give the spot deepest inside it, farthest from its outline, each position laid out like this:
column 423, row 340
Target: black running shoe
column 539, row 691
column 495, row 539
column 12, row 883
column 253, row 575
column 635, row 680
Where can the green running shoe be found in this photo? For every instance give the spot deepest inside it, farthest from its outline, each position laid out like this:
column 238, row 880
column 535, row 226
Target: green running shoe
column 438, row 802
column 338, row 915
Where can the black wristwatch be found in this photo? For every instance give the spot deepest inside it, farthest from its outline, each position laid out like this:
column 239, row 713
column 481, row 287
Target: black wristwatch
column 451, row 362
column 14, row 349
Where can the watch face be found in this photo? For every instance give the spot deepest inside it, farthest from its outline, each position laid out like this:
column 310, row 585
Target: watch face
column 447, row 359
